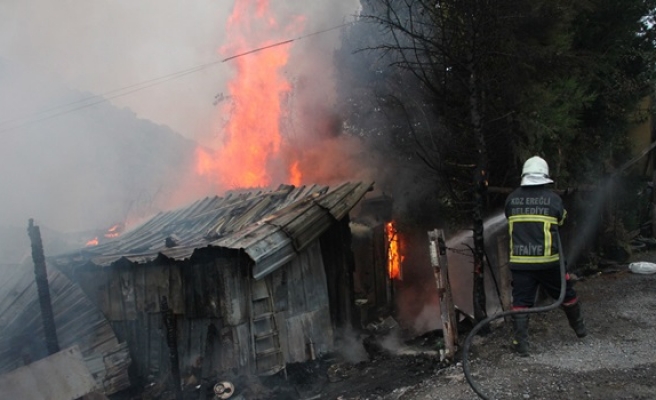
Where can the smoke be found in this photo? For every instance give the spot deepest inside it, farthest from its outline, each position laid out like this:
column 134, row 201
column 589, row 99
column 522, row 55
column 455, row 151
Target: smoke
column 98, row 165
column 348, row 344
column 103, row 46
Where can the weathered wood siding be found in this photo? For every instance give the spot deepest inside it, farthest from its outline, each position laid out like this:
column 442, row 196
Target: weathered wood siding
column 125, row 290
column 339, row 265
column 302, row 306
column 207, row 296
column 373, row 283
column 210, row 296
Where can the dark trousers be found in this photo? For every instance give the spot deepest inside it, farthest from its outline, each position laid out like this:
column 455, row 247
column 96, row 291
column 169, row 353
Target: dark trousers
column 525, row 286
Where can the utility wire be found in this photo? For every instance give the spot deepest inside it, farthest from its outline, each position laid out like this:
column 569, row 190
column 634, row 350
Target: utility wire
column 107, row 95
column 29, row 119
column 102, row 98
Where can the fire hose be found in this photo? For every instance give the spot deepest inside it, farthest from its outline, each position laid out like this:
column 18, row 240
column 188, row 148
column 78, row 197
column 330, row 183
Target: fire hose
column 465, row 359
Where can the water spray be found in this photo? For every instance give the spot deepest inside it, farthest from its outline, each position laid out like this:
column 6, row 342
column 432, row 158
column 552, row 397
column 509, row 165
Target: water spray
column 465, row 360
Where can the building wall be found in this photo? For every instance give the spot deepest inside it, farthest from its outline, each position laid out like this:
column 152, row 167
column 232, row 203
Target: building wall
column 302, row 306
column 211, row 297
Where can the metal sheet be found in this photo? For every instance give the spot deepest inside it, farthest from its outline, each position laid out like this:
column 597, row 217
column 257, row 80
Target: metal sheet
column 271, row 227
column 78, row 322
column 62, row 376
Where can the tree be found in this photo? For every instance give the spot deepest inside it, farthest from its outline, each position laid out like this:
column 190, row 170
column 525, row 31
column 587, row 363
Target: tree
column 507, row 79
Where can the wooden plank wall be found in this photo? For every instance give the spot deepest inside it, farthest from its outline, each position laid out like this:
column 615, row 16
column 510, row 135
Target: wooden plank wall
column 208, row 297
column 339, row 263
column 371, row 281
column 125, row 290
column 307, row 315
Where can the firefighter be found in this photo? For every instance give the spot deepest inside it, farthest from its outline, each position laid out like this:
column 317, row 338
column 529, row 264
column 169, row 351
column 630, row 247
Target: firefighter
column 534, row 213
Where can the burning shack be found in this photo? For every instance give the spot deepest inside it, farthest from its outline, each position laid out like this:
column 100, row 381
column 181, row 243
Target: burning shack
column 250, row 282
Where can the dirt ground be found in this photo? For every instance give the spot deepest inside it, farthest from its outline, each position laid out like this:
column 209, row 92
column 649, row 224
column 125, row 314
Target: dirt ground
column 617, row 360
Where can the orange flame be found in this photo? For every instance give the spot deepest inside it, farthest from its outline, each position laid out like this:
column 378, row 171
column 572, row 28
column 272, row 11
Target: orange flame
column 394, row 256
column 296, row 176
column 92, row 242
column 252, row 140
column 113, row 232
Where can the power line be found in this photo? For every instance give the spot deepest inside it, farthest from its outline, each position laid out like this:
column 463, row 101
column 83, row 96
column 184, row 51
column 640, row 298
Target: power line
column 105, row 97
column 287, row 41
column 112, row 94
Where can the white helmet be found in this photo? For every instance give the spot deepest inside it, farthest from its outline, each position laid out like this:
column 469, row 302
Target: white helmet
column 535, row 172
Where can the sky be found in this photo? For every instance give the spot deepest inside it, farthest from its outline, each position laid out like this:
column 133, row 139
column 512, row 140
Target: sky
column 105, row 45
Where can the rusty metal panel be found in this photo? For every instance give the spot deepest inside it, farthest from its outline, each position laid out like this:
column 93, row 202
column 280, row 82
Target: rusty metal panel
column 62, row 376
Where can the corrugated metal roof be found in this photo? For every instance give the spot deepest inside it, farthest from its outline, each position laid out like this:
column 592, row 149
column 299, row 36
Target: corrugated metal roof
column 270, row 226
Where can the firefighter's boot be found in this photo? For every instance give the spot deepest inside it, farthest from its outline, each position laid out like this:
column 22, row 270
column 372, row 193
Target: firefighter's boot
column 520, row 334
column 575, row 319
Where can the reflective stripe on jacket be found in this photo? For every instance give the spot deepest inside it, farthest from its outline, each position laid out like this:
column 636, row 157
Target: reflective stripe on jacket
column 534, row 214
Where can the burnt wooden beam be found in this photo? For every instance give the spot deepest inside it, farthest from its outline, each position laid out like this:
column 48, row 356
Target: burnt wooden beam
column 440, row 264
column 41, row 278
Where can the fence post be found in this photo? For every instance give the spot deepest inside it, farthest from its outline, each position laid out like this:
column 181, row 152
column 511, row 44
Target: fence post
column 43, row 288
column 439, row 262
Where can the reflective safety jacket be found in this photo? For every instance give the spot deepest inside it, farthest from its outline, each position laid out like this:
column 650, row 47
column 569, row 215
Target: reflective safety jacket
column 534, row 214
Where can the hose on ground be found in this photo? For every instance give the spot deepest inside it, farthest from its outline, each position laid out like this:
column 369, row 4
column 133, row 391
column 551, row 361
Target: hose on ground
column 465, row 359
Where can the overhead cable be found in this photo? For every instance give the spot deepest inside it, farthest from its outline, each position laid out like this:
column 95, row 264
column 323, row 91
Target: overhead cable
column 86, row 102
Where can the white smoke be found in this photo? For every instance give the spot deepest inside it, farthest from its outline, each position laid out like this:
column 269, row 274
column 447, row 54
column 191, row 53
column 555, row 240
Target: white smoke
column 106, row 45
column 61, row 53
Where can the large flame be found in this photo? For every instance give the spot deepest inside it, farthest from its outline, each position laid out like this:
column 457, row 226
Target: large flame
column 394, row 256
column 251, row 140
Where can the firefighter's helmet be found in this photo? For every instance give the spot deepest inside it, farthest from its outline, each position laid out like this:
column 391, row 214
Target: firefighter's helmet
column 535, row 172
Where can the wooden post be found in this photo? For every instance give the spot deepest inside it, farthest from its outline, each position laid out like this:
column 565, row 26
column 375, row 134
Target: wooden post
column 505, row 277
column 439, row 262
column 41, row 277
